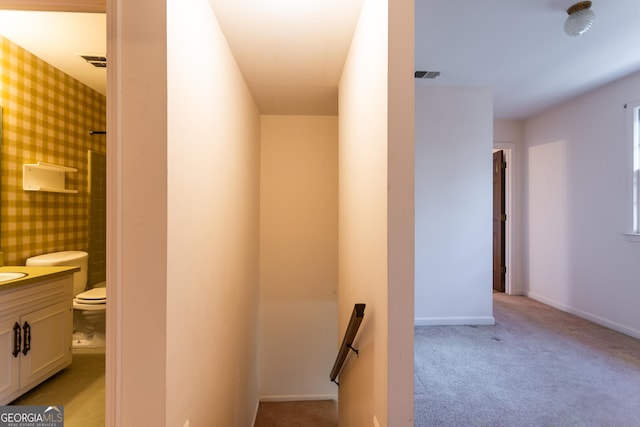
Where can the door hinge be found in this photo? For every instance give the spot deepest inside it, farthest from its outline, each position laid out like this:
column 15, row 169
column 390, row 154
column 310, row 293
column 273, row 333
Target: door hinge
column 504, row 270
column 503, row 217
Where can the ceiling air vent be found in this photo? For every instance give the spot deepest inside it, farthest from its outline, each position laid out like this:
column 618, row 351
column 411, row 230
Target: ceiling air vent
column 427, row 74
column 96, row 61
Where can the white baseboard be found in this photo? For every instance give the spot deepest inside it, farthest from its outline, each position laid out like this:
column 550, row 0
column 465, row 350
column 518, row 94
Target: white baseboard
column 298, row 398
column 255, row 413
column 453, row 321
column 585, row 315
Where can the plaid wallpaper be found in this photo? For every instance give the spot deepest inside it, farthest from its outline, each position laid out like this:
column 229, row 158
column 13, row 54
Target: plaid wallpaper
column 46, row 116
column 97, row 218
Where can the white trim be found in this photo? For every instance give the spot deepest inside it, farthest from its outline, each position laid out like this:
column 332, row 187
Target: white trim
column 632, row 237
column 255, row 413
column 632, row 130
column 114, row 358
column 585, row 315
column 55, row 5
column 299, row 397
column 454, row 321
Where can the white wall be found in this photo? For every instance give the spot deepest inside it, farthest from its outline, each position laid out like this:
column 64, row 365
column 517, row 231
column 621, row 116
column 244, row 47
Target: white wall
column 137, row 214
column 454, row 192
column 213, row 226
column 298, row 257
column 578, row 258
column 400, row 211
column 201, row 221
column 376, row 216
column 508, row 136
column 505, row 130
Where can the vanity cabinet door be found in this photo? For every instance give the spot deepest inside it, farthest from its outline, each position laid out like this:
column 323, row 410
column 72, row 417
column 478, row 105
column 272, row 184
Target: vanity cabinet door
column 46, row 346
column 9, row 364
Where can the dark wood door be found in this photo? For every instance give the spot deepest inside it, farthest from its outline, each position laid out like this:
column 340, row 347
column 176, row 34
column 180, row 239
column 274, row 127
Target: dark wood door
column 499, row 219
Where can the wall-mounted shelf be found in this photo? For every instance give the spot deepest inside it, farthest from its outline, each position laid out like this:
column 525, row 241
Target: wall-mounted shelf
column 46, row 177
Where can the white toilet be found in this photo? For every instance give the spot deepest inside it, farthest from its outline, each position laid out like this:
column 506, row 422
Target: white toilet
column 89, row 306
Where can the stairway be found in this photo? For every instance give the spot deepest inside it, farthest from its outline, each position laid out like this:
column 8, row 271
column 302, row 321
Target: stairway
column 313, row 413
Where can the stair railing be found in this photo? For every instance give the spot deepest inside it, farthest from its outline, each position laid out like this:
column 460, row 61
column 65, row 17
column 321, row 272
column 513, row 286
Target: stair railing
column 347, row 342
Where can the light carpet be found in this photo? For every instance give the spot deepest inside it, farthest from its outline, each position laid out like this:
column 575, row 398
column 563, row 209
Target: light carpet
column 537, row 366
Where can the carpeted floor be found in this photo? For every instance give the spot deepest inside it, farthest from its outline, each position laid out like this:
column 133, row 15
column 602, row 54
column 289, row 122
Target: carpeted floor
column 320, row 413
column 537, row 366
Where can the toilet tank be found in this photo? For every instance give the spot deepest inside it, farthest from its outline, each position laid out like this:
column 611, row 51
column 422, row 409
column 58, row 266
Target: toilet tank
column 65, row 258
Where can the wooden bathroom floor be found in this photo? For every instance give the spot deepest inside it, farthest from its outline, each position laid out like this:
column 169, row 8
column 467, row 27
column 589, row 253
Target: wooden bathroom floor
column 79, row 388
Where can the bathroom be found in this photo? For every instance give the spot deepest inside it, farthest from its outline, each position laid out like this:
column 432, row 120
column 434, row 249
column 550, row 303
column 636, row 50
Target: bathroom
column 46, row 117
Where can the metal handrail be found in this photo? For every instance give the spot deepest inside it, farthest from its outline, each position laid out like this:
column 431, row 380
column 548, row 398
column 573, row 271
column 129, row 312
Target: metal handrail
column 350, row 334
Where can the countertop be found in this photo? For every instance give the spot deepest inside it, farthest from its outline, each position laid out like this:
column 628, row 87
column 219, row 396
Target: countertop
column 34, row 274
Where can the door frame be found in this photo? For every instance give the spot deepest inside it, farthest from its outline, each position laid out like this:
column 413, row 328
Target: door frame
column 509, row 149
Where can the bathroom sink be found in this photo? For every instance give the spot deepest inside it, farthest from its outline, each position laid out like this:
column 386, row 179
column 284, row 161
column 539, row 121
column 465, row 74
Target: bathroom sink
column 11, row 275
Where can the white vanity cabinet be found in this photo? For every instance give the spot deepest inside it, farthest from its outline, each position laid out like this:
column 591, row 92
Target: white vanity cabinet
column 36, row 322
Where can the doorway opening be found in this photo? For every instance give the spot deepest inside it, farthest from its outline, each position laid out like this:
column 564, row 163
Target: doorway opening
column 504, row 215
column 87, row 373
column 499, row 221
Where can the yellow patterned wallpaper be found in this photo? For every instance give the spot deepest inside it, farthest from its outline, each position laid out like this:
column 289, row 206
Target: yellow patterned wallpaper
column 46, row 117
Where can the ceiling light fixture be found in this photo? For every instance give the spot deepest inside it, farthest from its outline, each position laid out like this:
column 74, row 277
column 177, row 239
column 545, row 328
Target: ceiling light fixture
column 580, row 19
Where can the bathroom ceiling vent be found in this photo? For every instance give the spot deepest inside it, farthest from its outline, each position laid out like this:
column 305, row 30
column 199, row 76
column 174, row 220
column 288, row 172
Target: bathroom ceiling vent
column 427, row 74
column 96, row 61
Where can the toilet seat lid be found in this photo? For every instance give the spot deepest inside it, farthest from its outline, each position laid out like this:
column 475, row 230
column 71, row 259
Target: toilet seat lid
column 93, row 296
